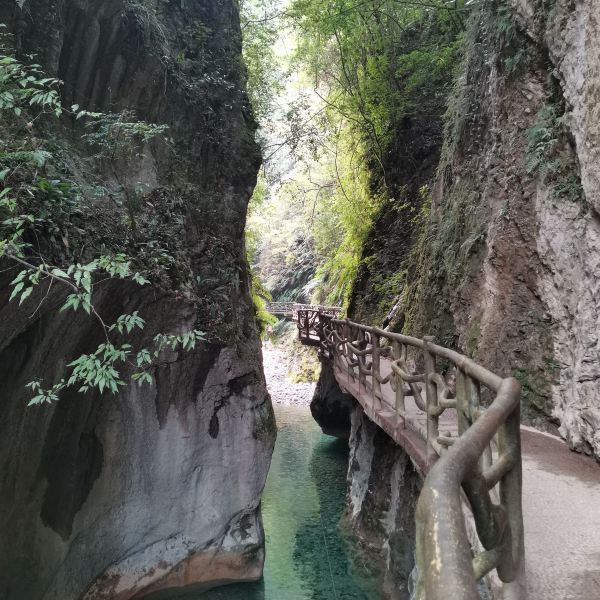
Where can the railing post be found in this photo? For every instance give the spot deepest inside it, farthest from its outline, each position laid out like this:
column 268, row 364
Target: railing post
column 376, row 361
column 432, row 399
column 462, row 402
column 399, row 382
column 348, row 350
column 361, row 360
column 474, row 400
column 511, row 492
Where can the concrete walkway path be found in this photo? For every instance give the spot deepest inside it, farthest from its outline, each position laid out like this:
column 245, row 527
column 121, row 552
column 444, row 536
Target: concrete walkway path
column 561, row 513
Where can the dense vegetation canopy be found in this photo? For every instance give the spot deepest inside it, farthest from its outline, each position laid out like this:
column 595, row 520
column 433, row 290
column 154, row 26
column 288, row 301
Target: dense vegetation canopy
column 354, row 74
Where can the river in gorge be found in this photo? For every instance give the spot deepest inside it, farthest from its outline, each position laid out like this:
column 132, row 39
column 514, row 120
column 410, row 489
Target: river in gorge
column 307, row 557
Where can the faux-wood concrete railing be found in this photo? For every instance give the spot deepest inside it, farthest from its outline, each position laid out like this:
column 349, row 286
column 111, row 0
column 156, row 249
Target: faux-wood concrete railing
column 411, row 388
column 290, row 309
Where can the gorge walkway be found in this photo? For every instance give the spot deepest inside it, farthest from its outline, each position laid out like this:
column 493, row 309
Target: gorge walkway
column 517, row 499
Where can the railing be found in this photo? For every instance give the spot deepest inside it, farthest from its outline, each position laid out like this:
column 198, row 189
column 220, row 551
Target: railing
column 290, row 309
column 476, row 462
column 310, row 326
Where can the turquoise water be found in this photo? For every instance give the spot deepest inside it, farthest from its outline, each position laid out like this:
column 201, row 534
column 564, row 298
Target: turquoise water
column 302, row 505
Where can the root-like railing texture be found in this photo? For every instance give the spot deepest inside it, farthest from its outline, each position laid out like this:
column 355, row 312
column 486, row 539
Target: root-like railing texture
column 290, row 309
column 460, row 424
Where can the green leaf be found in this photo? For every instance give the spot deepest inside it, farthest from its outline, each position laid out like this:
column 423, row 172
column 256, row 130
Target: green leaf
column 25, row 295
column 73, row 301
column 16, row 290
column 143, row 357
column 59, row 273
column 141, row 280
column 40, row 157
column 143, row 377
column 36, row 400
column 19, row 277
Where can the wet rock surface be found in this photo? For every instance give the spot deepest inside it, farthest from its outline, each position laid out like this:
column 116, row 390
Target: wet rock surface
column 331, row 407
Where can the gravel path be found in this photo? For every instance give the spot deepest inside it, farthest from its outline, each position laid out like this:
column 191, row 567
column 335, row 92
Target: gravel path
column 283, row 391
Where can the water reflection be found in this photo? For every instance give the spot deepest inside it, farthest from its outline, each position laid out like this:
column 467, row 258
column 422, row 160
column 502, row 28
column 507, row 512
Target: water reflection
column 302, row 505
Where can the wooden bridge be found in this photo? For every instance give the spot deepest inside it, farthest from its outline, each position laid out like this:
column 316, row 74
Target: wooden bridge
column 460, row 424
column 289, row 310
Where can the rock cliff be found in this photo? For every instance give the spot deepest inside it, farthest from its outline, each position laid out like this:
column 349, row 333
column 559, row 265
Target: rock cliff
column 383, row 488
column 120, row 496
column 568, row 235
column 502, row 261
column 331, row 407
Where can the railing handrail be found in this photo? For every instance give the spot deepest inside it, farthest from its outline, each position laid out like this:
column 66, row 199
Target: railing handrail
column 465, row 464
column 489, row 379
column 441, row 529
column 294, row 307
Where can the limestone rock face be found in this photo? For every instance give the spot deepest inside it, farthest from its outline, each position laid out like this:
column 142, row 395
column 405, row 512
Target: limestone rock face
column 530, row 305
column 331, row 406
column 121, row 496
column 568, row 237
column 383, row 488
column 509, row 262
column 573, row 40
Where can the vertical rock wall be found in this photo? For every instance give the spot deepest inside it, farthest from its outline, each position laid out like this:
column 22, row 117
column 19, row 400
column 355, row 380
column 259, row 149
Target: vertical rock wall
column 528, row 303
column 118, row 496
column 505, row 265
column 568, row 239
column 383, row 487
column 331, row 407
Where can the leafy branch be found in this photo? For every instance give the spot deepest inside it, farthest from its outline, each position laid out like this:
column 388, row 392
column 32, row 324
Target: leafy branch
column 28, row 94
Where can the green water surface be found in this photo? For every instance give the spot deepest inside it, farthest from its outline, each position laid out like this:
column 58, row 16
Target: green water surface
column 302, row 505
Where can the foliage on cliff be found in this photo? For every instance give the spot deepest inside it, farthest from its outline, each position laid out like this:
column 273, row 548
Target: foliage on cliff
column 43, row 222
column 386, row 69
column 367, row 72
column 92, row 194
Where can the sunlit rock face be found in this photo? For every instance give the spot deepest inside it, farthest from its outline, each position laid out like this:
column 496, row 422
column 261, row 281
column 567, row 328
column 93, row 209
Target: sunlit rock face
column 121, row 496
